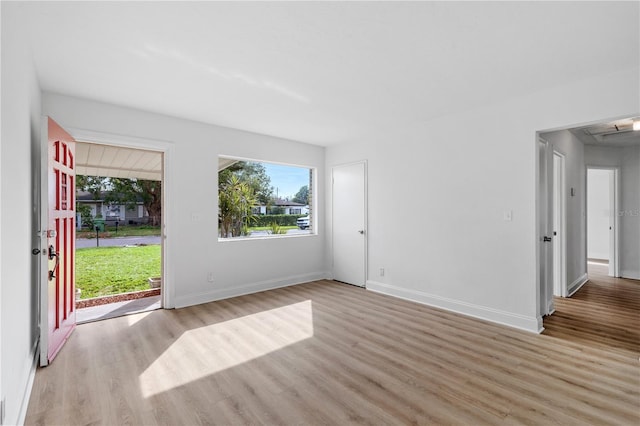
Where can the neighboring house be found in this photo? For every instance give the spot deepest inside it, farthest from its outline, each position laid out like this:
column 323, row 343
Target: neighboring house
column 113, row 212
column 282, row 207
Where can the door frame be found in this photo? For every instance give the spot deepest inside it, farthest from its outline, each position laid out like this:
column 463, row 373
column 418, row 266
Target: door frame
column 560, row 224
column 366, row 215
column 614, row 219
column 167, row 148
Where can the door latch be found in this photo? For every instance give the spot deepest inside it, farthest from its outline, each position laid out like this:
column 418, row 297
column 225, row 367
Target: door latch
column 546, row 239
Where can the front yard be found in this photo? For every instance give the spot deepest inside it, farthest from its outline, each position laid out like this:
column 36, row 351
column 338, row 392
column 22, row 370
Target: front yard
column 113, row 270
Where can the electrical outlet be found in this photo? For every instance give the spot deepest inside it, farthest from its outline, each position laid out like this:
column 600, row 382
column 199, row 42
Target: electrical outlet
column 382, row 272
column 210, row 277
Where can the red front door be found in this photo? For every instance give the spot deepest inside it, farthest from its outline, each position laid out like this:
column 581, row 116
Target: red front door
column 60, row 237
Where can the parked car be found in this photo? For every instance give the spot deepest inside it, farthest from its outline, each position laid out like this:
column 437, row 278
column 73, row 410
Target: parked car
column 303, row 222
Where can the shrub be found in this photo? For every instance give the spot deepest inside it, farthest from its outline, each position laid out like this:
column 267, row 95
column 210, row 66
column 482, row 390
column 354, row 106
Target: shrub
column 280, row 219
column 276, row 229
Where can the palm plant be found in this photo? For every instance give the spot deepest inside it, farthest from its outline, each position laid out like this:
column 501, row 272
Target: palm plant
column 236, row 200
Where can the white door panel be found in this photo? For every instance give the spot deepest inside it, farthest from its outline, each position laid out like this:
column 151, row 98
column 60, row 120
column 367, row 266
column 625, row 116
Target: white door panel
column 349, row 224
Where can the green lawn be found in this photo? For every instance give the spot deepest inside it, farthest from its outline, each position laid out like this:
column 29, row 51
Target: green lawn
column 112, row 270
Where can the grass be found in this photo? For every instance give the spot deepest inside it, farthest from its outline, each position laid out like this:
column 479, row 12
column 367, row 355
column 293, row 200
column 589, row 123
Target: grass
column 123, row 231
column 113, row 270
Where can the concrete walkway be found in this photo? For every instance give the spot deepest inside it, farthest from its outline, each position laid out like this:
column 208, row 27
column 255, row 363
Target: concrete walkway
column 118, row 309
column 118, row 241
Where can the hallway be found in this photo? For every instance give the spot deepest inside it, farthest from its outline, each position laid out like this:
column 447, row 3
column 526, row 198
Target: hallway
column 603, row 314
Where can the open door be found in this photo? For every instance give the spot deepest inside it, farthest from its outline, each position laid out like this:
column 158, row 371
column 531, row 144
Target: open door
column 57, row 302
column 545, row 226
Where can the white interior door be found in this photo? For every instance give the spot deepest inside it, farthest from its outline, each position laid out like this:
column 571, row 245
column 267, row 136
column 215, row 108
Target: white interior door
column 349, row 223
column 559, row 226
column 613, row 226
column 545, row 231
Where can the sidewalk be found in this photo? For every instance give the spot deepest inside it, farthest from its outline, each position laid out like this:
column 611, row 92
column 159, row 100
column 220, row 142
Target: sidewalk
column 118, row 241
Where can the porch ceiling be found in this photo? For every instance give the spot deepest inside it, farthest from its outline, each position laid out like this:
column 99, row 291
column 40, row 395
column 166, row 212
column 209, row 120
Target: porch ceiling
column 113, row 161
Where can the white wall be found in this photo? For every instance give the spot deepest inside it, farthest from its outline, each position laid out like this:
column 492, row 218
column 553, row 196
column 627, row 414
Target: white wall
column 238, row 266
column 20, row 134
column 568, row 144
column 630, row 214
column 627, row 160
column 598, row 213
column 461, row 172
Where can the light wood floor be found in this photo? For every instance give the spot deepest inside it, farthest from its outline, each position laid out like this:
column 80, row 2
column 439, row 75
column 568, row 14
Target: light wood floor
column 328, row 353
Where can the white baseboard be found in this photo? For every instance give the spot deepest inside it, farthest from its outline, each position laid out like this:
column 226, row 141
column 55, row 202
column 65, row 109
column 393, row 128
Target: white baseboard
column 24, row 405
column 240, row 290
column 577, row 284
column 634, row 275
column 522, row 322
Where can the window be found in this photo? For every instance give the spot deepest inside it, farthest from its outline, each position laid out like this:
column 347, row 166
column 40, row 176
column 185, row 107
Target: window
column 259, row 199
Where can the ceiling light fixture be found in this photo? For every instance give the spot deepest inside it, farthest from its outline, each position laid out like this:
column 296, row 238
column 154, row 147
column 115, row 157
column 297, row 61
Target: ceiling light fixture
column 636, row 125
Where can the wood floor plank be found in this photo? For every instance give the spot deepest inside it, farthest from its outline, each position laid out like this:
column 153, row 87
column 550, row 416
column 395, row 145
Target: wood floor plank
column 329, row 353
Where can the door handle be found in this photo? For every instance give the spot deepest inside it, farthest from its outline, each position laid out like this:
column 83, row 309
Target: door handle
column 546, row 239
column 53, row 254
column 361, row 232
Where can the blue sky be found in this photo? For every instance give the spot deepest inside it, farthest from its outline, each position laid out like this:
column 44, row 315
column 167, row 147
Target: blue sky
column 287, row 179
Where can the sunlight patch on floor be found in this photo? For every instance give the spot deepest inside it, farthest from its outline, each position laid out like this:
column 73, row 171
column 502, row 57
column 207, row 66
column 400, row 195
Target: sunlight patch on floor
column 225, row 345
column 133, row 319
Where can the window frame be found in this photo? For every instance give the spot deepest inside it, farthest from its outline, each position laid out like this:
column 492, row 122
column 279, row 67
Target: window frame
column 313, row 207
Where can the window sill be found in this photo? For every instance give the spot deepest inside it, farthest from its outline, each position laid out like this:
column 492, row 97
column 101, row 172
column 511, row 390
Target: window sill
column 266, row 237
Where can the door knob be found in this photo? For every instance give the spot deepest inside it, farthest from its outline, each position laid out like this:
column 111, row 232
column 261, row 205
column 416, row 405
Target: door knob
column 546, row 239
column 361, row 232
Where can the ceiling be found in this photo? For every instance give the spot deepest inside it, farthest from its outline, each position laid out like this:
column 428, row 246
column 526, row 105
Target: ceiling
column 322, row 72
column 617, row 133
column 112, row 161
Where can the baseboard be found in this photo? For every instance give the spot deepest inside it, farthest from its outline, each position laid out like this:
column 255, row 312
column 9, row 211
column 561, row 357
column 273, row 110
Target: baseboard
column 577, row 284
column 632, row 275
column 226, row 293
column 24, row 405
column 522, row 322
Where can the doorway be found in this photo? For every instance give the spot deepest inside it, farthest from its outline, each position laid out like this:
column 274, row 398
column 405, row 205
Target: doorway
column 166, row 149
column 119, row 244
column 349, row 218
column 601, row 218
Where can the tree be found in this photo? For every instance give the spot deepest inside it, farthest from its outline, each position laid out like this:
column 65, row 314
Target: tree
column 130, row 191
column 236, row 200
column 302, row 196
column 95, row 185
column 251, row 173
column 85, row 215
